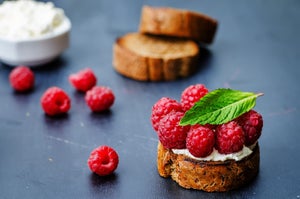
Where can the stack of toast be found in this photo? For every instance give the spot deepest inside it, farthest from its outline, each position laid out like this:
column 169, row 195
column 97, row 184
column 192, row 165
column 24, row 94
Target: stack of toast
column 166, row 47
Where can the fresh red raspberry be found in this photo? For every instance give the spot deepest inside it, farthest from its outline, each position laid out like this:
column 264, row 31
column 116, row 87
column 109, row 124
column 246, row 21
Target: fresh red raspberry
column 83, row 80
column 99, row 98
column 200, row 141
column 191, row 95
column 230, row 138
column 21, row 78
column 161, row 108
column 252, row 123
column 55, row 101
column 170, row 133
column 103, row 160
column 211, row 126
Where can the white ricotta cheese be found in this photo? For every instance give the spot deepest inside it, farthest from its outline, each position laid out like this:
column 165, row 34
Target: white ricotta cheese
column 216, row 156
column 26, row 19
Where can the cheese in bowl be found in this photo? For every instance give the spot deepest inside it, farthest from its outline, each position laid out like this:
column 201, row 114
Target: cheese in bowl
column 31, row 32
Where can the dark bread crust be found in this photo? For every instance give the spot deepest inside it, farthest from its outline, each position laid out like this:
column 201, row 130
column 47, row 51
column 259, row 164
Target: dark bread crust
column 210, row 176
column 154, row 67
column 179, row 23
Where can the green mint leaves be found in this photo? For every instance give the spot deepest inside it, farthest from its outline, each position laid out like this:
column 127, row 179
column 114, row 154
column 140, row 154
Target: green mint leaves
column 220, row 106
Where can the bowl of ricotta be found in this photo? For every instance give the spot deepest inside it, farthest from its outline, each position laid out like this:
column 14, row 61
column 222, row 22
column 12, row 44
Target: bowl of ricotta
column 32, row 33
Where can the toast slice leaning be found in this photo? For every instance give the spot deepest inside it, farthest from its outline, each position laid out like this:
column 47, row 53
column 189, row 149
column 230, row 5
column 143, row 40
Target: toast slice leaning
column 154, row 58
column 209, row 176
column 178, row 22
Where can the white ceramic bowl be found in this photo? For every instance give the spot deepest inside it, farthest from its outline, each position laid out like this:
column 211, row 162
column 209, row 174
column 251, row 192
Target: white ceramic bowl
column 36, row 51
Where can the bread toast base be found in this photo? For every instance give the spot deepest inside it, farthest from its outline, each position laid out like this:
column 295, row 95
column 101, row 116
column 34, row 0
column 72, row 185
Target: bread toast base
column 209, row 176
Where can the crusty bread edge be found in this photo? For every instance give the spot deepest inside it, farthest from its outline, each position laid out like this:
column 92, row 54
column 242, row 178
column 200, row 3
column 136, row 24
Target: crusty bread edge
column 143, row 68
column 208, row 176
column 128, row 63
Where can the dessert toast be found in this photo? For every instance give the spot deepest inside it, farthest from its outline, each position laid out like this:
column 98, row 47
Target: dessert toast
column 202, row 150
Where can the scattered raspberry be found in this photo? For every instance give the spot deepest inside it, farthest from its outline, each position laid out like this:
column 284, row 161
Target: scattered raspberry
column 191, row 95
column 252, row 123
column 21, row 79
column 230, row 138
column 170, row 133
column 161, row 108
column 103, row 160
column 55, row 101
column 200, row 141
column 83, row 80
column 99, row 98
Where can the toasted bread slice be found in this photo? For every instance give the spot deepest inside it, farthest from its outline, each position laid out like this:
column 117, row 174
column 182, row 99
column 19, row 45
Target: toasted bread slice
column 154, row 58
column 178, row 22
column 210, row 176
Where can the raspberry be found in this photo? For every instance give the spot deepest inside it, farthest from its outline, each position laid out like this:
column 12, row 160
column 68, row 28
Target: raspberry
column 210, row 126
column 21, row 79
column 99, row 98
column 191, row 95
column 161, row 108
column 230, row 138
column 170, row 133
column 103, row 160
column 200, row 141
column 83, row 80
column 252, row 123
column 55, row 101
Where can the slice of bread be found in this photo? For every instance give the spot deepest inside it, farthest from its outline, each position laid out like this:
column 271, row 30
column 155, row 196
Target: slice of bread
column 178, row 22
column 210, row 176
column 154, row 58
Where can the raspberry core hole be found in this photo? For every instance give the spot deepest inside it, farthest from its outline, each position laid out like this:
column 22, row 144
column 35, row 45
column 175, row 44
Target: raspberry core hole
column 59, row 102
column 62, row 103
column 105, row 160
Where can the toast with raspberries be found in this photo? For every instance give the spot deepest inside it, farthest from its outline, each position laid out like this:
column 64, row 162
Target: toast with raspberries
column 209, row 140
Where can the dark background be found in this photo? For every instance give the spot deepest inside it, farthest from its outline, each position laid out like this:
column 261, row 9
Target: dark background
column 256, row 49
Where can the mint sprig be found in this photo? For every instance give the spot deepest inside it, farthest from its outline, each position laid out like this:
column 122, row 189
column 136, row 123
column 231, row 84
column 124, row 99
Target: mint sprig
column 220, row 106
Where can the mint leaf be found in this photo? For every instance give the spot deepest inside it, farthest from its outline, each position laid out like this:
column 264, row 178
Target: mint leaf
column 220, row 106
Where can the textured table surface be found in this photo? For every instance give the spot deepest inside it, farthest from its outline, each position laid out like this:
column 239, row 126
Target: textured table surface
column 256, row 49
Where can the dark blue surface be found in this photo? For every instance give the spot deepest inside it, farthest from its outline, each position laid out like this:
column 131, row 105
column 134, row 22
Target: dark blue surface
column 256, row 49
